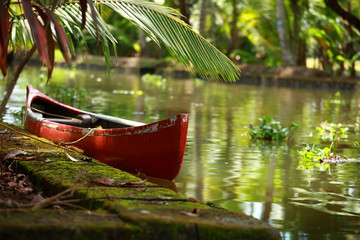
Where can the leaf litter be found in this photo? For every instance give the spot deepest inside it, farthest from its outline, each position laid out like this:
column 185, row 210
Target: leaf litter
column 17, row 191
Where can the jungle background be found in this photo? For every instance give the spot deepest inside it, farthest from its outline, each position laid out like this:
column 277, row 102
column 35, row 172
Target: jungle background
column 321, row 34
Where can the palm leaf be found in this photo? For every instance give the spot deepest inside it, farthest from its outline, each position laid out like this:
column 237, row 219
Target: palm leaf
column 164, row 26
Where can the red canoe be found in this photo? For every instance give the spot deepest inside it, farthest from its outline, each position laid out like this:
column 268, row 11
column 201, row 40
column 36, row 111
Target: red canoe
column 155, row 149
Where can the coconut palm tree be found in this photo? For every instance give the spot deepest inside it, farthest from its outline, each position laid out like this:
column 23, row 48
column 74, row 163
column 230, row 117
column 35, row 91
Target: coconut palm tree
column 41, row 24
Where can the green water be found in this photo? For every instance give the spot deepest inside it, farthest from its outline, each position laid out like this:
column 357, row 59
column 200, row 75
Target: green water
column 222, row 164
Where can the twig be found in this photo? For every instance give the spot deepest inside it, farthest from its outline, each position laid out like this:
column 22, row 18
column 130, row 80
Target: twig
column 48, row 201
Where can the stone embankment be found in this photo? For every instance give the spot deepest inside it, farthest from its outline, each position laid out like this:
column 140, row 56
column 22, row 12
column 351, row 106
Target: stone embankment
column 81, row 198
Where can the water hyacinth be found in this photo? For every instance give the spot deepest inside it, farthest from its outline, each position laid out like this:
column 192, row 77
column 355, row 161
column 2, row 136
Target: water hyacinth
column 332, row 131
column 269, row 129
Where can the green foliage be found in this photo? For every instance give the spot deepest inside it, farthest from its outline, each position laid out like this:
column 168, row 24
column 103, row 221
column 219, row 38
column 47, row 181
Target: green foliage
column 244, row 56
column 154, row 80
column 269, row 129
column 19, row 115
column 198, row 82
column 162, row 24
column 71, row 96
column 356, row 144
column 332, row 131
column 311, row 156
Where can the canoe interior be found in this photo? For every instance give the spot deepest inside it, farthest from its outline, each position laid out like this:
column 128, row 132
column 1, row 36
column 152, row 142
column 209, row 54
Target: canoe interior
column 56, row 113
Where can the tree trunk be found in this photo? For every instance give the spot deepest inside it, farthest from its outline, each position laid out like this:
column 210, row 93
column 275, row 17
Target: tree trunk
column 349, row 49
column 287, row 57
column 213, row 23
column 348, row 16
column 144, row 52
column 233, row 28
column 301, row 53
column 11, row 85
column 184, row 9
column 294, row 40
column 203, row 14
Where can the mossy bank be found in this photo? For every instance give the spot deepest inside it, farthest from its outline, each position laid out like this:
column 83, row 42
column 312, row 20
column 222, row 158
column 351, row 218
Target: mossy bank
column 143, row 210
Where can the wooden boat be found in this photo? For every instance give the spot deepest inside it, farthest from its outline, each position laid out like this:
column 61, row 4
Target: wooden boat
column 155, row 149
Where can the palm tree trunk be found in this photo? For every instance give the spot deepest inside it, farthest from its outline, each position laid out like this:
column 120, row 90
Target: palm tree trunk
column 184, row 9
column 143, row 44
column 287, row 57
column 203, row 14
column 11, row 85
column 213, row 23
column 233, row 28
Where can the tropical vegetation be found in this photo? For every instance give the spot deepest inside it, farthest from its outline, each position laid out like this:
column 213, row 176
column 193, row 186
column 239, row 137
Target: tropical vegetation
column 270, row 129
column 282, row 32
column 40, row 25
column 320, row 34
column 312, row 156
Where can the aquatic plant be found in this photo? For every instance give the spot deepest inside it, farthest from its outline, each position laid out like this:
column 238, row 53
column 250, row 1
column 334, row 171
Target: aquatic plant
column 269, row 129
column 322, row 157
column 332, row 131
column 311, row 156
column 68, row 95
column 198, row 82
column 19, row 114
column 154, row 80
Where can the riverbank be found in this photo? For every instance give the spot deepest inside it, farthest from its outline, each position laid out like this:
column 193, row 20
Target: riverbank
column 250, row 73
column 78, row 197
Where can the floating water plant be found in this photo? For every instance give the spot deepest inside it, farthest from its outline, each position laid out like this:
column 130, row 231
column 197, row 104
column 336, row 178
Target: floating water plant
column 68, row 95
column 311, row 156
column 269, row 129
column 154, row 79
column 322, row 157
column 332, row 131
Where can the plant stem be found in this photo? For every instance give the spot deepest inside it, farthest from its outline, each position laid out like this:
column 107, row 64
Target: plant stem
column 11, row 85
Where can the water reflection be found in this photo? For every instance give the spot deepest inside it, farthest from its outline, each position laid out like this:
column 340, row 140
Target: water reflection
column 221, row 164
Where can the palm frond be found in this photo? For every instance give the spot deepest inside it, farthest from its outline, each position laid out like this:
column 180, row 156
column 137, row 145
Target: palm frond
column 163, row 25
column 71, row 16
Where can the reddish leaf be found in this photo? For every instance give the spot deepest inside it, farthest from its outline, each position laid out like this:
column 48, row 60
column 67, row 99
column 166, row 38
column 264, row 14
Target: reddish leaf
column 50, row 49
column 83, row 5
column 38, row 31
column 4, row 36
column 60, row 34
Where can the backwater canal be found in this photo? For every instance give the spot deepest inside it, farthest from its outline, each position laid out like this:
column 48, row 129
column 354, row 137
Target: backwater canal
column 222, row 164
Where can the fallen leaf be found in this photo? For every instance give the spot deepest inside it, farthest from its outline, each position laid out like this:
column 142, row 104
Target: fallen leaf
column 12, row 184
column 76, row 149
column 106, row 181
column 14, row 153
column 194, row 213
column 136, row 183
column 71, row 158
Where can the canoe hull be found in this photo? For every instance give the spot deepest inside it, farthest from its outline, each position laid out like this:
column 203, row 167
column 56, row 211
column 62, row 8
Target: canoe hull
column 155, row 149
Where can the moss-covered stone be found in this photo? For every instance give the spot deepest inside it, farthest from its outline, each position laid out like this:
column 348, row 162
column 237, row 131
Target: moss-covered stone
column 65, row 224
column 146, row 212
